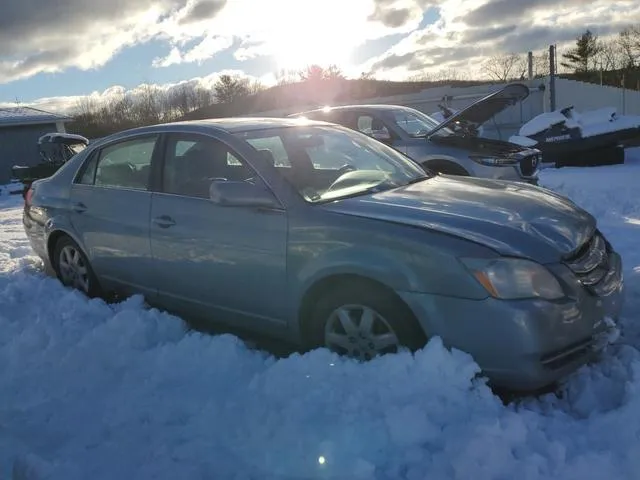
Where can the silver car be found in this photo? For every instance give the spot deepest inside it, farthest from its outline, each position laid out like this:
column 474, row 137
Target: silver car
column 317, row 234
column 453, row 146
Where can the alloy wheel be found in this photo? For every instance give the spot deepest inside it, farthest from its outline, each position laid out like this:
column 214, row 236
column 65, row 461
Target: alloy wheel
column 73, row 269
column 359, row 332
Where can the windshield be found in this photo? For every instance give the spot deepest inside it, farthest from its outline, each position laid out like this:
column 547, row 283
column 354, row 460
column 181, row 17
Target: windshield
column 417, row 124
column 327, row 163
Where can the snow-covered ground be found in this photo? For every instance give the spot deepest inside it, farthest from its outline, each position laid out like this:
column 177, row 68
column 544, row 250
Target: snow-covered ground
column 96, row 391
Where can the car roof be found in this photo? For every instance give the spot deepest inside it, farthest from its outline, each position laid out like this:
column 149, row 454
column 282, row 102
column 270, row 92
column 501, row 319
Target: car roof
column 245, row 124
column 228, row 125
column 373, row 107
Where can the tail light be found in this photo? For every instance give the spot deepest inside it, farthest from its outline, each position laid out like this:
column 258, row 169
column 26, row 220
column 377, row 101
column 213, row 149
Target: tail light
column 28, row 195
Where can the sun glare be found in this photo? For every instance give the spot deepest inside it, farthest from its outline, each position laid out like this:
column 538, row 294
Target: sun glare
column 303, row 33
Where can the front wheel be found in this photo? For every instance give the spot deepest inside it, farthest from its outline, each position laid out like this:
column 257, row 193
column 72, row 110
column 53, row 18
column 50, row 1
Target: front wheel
column 73, row 269
column 445, row 167
column 363, row 321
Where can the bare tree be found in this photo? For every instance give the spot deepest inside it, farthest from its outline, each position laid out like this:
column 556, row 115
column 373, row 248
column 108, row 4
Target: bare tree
column 286, row 77
column 446, row 74
column 312, row 73
column 629, row 41
column 541, row 64
column 316, row 73
column 505, row 67
column 229, row 88
column 333, row 72
column 85, row 106
column 610, row 56
column 147, row 109
column 451, row 74
column 255, row 86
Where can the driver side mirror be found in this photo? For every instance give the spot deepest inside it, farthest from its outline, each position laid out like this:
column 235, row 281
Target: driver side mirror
column 230, row 193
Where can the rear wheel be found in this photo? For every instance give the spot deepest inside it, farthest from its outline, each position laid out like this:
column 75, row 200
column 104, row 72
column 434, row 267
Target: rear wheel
column 364, row 321
column 73, row 269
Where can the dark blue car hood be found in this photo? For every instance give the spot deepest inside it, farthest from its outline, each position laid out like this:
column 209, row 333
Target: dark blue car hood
column 511, row 218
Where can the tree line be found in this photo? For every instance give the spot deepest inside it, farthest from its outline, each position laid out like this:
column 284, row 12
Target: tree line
column 587, row 59
column 151, row 104
column 612, row 61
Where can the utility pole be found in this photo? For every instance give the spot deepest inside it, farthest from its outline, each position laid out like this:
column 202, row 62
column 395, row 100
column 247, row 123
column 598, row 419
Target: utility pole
column 552, row 77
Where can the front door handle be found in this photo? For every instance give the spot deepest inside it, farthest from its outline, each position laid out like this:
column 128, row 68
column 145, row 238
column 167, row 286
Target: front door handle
column 79, row 207
column 164, row 221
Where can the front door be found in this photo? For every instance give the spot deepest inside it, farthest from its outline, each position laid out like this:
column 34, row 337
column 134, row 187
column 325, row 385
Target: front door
column 109, row 208
column 223, row 263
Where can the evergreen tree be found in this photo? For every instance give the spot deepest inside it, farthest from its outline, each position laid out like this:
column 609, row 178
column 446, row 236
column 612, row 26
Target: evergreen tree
column 580, row 58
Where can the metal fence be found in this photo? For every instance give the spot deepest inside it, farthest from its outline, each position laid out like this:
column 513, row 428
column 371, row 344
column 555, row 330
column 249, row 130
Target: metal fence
column 588, row 96
column 583, row 96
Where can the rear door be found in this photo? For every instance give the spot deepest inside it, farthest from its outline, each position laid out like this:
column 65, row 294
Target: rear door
column 110, row 206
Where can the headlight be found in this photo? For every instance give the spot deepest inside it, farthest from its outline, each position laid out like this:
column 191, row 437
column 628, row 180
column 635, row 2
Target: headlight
column 514, row 278
column 494, row 161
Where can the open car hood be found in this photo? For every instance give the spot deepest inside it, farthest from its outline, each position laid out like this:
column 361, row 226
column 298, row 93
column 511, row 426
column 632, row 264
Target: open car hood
column 485, row 108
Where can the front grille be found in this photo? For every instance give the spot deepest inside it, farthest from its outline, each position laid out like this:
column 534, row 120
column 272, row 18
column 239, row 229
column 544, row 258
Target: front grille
column 591, row 264
column 529, row 165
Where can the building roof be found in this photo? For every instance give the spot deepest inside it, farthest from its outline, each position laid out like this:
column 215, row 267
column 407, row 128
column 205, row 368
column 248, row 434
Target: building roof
column 15, row 116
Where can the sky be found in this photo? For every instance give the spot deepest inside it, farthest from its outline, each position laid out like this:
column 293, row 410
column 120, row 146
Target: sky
column 52, row 53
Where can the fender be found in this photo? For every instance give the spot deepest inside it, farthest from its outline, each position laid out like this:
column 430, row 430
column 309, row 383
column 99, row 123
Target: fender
column 443, row 160
column 61, row 224
column 375, row 264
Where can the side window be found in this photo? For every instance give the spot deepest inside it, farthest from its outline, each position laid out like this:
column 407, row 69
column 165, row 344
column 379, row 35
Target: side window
column 125, row 165
column 327, row 155
column 272, row 148
column 193, row 161
column 335, row 152
column 365, row 124
column 88, row 170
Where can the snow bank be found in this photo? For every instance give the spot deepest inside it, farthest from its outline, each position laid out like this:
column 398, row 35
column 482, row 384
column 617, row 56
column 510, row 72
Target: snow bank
column 99, row 391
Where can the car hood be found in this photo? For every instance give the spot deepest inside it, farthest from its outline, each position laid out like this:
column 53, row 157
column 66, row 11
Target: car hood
column 511, row 218
column 485, row 108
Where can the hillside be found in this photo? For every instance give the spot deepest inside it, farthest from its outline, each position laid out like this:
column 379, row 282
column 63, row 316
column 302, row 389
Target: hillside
column 321, row 92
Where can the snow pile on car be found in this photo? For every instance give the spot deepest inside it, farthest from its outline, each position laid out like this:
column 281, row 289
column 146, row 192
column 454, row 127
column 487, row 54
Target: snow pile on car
column 99, row 391
column 590, row 123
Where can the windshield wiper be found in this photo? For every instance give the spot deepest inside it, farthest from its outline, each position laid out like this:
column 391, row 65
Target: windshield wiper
column 419, row 179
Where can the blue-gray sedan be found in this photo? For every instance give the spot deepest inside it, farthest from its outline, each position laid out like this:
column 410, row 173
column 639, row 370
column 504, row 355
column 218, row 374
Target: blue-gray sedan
column 320, row 235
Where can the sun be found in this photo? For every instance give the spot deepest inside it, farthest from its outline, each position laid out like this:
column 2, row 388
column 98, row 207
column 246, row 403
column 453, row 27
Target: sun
column 308, row 48
column 302, row 33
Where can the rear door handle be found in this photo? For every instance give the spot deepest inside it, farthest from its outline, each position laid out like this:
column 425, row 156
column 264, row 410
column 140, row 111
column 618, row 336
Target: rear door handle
column 79, row 207
column 164, row 221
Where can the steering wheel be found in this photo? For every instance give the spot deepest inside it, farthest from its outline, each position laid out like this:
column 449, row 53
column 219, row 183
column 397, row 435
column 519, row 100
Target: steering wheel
column 346, row 168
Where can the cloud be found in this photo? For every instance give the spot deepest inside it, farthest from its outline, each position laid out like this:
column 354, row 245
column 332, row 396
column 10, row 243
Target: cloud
column 50, row 36
column 469, row 31
column 297, row 32
column 399, row 13
column 203, row 50
column 201, row 11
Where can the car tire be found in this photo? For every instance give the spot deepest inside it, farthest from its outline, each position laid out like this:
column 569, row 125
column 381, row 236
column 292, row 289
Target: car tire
column 73, row 269
column 446, row 168
column 377, row 322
